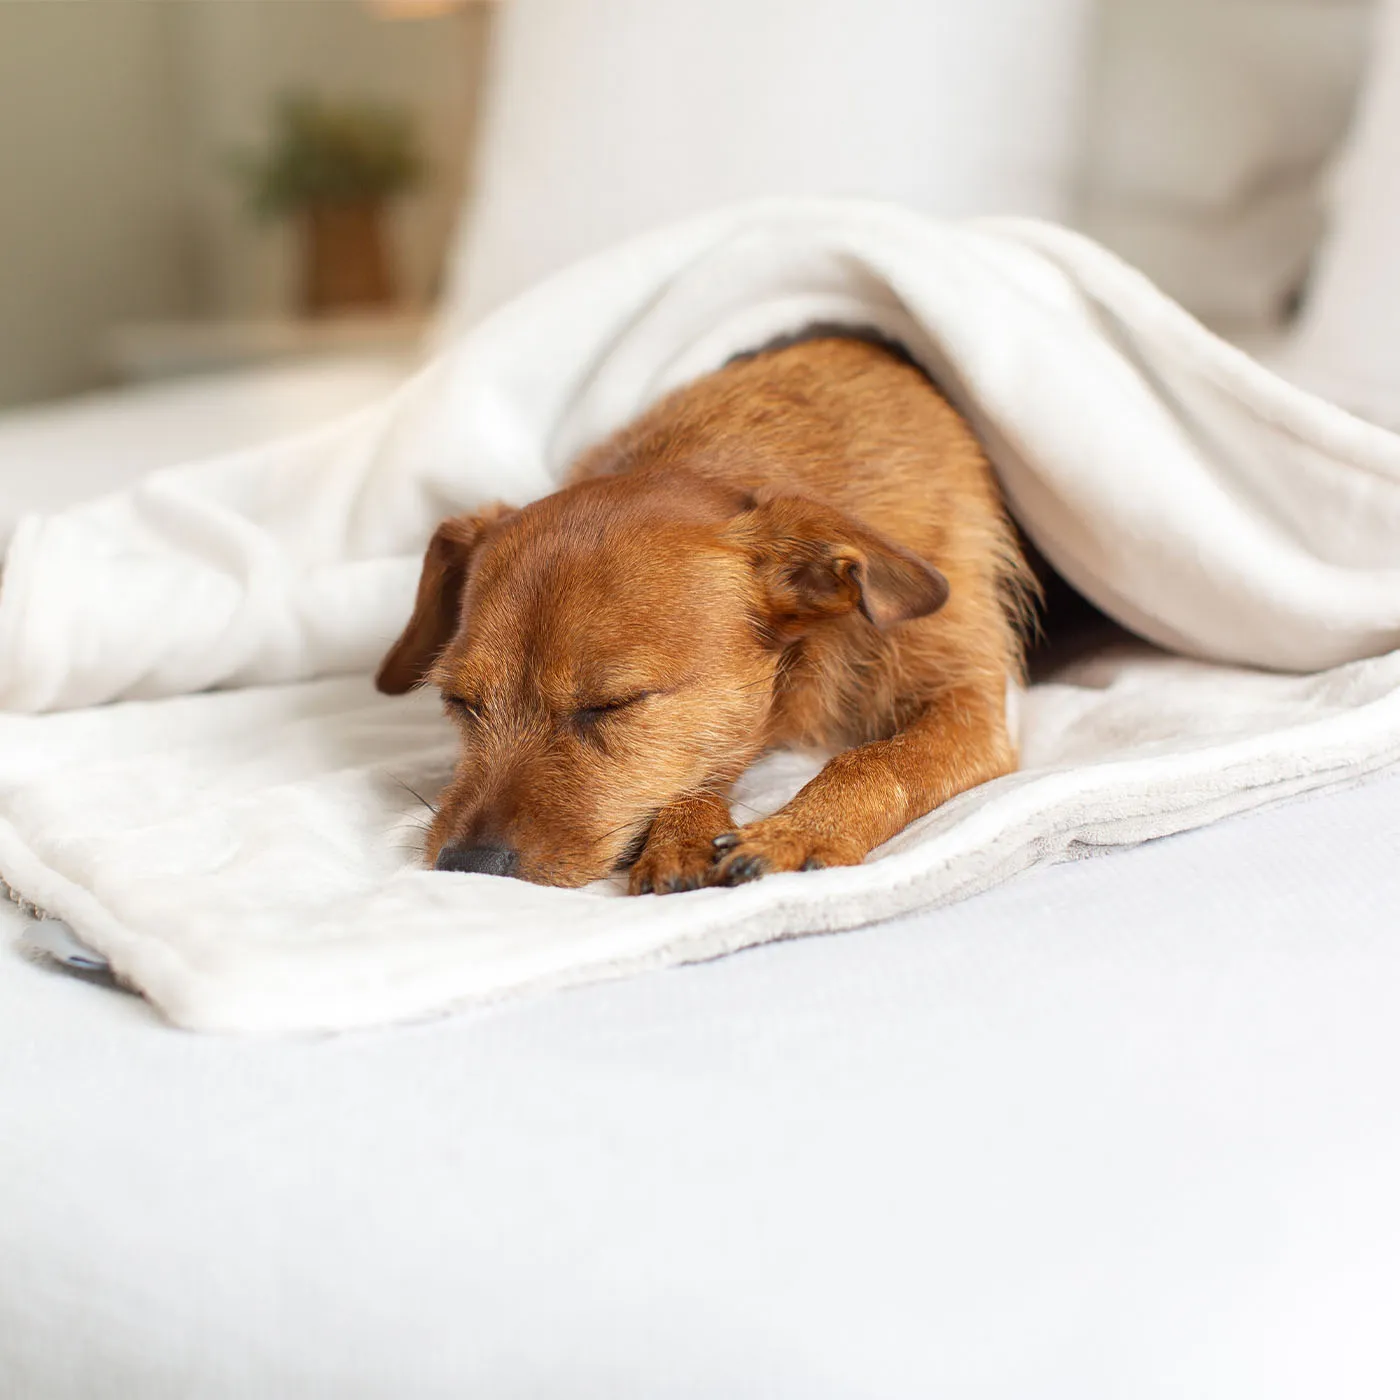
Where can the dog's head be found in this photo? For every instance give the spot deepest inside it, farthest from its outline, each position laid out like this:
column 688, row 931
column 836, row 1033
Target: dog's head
column 615, row 646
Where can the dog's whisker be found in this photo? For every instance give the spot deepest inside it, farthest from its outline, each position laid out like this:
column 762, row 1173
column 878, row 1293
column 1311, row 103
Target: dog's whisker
column 644, row 820
column 413, row 792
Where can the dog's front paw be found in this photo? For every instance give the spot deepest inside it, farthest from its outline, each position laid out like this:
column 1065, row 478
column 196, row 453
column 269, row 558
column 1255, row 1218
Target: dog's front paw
column 669, row 865
column 772, row 845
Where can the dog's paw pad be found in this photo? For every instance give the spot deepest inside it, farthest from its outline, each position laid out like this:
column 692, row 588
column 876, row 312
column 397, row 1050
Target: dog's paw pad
column 679, row 884
column 671, row 867
column 772, row 846
column 742, row 869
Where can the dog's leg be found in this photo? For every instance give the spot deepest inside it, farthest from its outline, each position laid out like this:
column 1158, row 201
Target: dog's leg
column 868, row 794
column 680, row 845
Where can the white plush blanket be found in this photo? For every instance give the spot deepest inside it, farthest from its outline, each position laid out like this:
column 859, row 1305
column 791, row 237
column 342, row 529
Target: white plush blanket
column 196, row 776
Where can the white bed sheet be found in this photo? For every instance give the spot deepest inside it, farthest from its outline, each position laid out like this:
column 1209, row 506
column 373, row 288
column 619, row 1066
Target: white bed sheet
column 1121, row 1127
column 54, row 455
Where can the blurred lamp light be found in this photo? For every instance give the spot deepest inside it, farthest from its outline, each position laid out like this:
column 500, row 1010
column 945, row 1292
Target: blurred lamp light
column 414, row 9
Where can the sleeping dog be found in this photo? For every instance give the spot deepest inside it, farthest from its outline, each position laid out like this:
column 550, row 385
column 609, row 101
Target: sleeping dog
column 806, row 547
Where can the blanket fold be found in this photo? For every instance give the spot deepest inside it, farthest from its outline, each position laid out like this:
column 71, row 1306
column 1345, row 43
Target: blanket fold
column 234, row 854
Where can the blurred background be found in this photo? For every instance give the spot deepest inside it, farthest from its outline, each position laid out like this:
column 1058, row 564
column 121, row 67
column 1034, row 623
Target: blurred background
column 282, row 201
column 124, row 211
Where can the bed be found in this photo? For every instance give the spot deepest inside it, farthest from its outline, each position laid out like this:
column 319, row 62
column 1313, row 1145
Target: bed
column 54, row 455
column 1123, row 1126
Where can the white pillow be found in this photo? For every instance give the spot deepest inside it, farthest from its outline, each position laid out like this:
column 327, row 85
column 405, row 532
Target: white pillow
column 1347, row 344
column 1211, row 122
column 607, row 117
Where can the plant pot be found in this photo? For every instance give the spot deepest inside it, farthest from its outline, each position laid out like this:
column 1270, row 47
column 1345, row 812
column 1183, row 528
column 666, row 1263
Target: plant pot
column 345, row 252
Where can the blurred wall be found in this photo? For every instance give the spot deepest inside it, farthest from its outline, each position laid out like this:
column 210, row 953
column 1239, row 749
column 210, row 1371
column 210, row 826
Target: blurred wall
column 90, row 227
column 116, row 121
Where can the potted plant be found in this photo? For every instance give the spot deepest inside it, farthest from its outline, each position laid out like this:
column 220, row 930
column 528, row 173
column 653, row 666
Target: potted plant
column 334, row 165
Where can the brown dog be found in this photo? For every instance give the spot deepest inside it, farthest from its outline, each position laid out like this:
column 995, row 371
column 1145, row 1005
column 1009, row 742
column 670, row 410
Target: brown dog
column 806, row 547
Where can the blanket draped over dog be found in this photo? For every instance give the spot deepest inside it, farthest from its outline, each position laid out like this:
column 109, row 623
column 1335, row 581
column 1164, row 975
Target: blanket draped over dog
column 234, row 835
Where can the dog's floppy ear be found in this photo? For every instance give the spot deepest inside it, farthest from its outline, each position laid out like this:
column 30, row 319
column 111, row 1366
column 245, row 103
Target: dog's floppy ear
column 438, row 606
column 814, row 561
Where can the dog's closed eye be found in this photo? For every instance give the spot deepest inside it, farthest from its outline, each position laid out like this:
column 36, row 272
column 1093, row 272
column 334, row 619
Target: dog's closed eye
column 586, row 716
column 461, row 706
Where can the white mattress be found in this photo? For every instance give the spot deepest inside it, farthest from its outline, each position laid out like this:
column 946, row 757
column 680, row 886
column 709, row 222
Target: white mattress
column 1121, row 1127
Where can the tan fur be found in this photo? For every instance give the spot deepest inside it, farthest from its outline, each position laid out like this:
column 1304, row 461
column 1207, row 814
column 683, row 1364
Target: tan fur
column 761, row 558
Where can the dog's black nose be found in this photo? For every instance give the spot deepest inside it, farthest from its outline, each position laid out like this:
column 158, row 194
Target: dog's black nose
column 481, row 860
